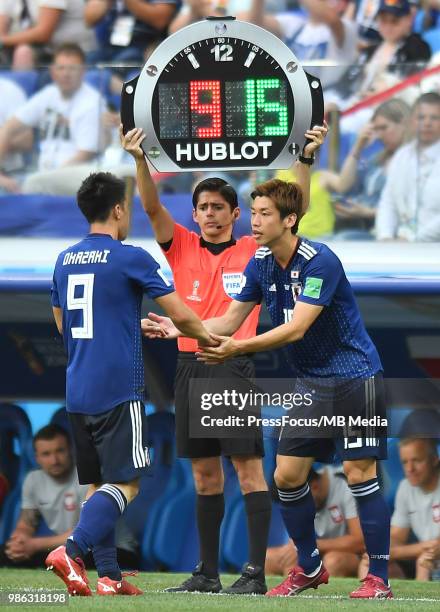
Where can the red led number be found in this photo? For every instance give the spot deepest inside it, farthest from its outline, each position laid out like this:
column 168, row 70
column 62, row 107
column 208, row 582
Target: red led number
column 200, row 107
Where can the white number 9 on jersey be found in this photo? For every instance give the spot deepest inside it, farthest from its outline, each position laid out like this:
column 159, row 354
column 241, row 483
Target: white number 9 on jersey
column 84, row 303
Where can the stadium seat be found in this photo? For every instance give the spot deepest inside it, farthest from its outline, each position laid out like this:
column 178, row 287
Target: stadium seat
column 100, row 79
column 234, row 539
column 418, row 22
column 432, row 37
column 175, row 543
column 145, row 511
column 61, row 419
column 421, row 422
column 391, row 472
column 175, row 540
column 26, row 79
column 16, row 459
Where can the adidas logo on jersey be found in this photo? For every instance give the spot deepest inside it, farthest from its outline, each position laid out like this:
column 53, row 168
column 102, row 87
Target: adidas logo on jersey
column 272, row 287
column 262, row 252
column 306, row 251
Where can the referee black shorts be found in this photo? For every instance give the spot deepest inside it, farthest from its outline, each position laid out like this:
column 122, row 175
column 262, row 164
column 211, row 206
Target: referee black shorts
column 240, row 368
column 111, row 447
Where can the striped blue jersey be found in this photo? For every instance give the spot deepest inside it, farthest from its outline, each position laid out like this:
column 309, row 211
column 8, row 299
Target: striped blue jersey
column 99, row 283
column 337, row 344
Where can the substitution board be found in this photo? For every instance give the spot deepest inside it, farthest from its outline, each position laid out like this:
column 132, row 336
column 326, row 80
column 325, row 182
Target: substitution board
column 222, row 94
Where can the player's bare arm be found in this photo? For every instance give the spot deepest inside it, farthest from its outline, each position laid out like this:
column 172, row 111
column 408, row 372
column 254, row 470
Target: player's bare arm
column 58, row 316
column 156, row 326
column 184, row 318
column 304, row 316
column 231, row 320
column 161, row 220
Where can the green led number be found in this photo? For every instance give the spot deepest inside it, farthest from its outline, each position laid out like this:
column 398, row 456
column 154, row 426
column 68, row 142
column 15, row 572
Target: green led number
column 251, row 114
column 281, row 129
column 257, row 106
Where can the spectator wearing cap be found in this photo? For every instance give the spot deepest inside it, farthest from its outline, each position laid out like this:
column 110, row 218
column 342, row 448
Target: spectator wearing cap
column 409, row 207
column 322, row 33
column 339, row 534
column 30, row 30
column 398, row 54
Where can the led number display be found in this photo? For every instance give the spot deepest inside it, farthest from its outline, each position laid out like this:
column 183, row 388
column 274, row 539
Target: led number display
column 222, row 94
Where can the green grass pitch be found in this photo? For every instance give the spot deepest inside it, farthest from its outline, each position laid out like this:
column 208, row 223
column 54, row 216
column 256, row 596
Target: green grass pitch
column 409, row 595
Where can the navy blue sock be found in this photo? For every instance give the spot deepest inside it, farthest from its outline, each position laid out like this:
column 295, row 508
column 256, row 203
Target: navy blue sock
column 374, row 516
column 105, row 558
column 98, row 517
column 298, row 512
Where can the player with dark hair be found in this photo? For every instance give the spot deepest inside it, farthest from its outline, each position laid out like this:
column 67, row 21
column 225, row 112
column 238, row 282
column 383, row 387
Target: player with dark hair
column 97, row 292
column 319, row 324
column 208, row 272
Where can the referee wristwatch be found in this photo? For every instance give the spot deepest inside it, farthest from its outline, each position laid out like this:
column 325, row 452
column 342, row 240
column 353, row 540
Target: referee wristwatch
column 309, row 161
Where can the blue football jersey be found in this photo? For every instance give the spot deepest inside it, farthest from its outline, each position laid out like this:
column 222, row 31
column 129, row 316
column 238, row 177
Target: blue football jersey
column 99, row 283
column 337, row 344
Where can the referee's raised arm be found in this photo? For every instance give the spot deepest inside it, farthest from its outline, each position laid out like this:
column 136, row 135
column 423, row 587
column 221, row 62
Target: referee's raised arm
column 161, row 220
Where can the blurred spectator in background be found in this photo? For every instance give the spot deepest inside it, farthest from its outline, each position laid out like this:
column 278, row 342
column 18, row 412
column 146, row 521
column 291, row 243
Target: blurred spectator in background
column 125, row 28
column 339, row 535
column 409, row 207
column 67, row 115
column 12, row 97
column 30, row 30
column 51, row 493
column 50, row 504
column 398, row 54
column 430, row 10
column 195, row 10
column 365, row 178
column 417, row 507
column 322, row 33
column 364, row 12
column 67, row 180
